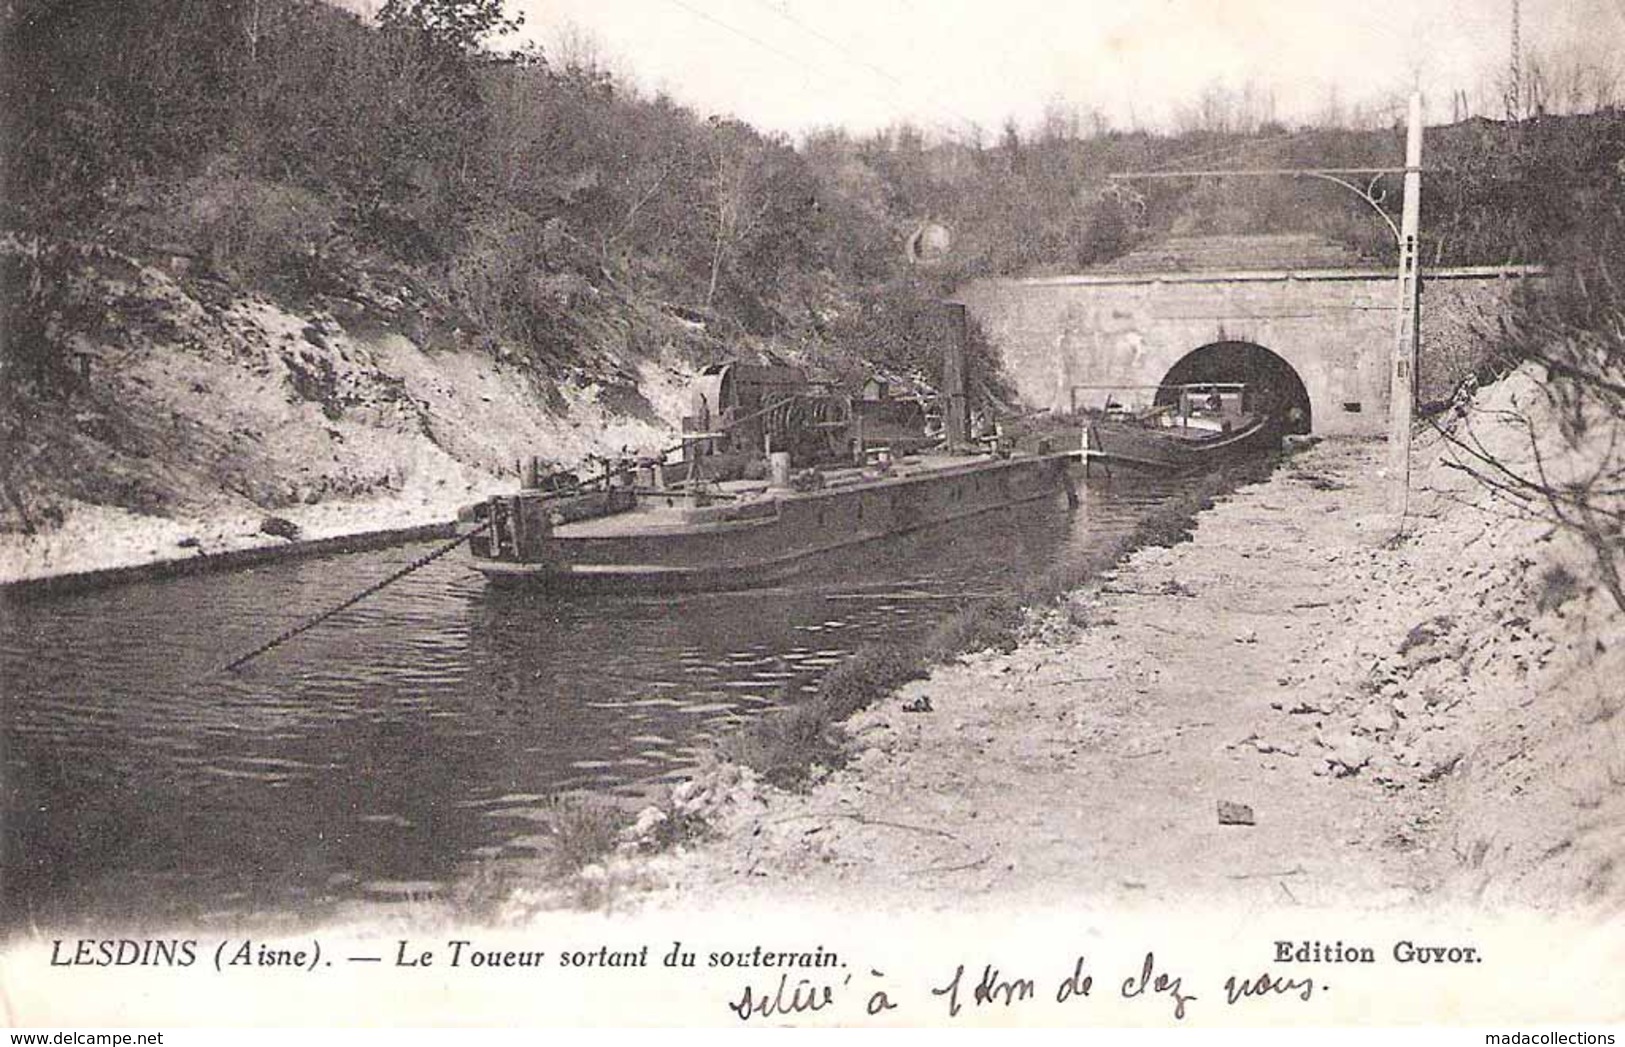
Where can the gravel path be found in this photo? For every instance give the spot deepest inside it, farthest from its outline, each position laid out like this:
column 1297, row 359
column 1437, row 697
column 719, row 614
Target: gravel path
column 1294, row 708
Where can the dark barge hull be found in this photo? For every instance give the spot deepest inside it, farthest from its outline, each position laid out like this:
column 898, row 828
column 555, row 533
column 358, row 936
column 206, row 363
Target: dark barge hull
column 732, row 546
column 1150, row 449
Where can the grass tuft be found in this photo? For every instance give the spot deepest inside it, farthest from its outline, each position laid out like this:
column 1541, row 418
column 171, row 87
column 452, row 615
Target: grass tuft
column 585, row 830
column 993, row 624
column 871, row 672
column 785, row 745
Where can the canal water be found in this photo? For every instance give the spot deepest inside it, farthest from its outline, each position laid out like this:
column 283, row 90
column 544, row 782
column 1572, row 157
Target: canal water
column 390, row 750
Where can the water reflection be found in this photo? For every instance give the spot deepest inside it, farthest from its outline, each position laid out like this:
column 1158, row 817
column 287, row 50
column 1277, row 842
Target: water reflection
column 423, row 729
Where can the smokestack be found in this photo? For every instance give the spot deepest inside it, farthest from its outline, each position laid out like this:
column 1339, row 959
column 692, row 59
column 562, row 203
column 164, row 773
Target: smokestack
column 955, row 378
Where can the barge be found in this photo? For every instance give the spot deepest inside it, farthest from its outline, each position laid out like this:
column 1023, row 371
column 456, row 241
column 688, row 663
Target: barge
column 741, row 533
column 774, row 471
column 1193, row 427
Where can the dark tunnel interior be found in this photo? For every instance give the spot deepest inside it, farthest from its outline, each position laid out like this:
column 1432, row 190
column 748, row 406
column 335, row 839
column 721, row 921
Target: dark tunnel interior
column 1273, row 385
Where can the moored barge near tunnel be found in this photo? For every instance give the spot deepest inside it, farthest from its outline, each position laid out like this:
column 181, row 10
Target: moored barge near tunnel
column 775, row 472
column 1191, row 427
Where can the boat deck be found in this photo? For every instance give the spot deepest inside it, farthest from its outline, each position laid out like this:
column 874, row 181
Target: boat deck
column 1197, row 434
column 741, row 503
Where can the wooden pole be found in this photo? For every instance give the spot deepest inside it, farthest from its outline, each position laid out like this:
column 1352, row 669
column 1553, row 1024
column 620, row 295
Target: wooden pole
column 955, row 380
column 1402, row 385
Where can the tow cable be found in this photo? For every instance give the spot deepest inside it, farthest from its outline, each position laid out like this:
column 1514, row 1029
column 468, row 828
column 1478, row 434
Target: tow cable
column 311, row 623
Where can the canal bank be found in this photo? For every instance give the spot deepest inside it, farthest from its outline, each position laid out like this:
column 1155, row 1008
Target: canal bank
column 100, row 546
column 250, row 554
column 1304, row 705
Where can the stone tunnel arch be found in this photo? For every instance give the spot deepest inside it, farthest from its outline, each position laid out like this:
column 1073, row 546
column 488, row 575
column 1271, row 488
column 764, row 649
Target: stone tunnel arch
column 1274, row 384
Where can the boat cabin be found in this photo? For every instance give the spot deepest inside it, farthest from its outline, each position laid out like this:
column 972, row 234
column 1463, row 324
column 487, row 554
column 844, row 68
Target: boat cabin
column 1219, row 406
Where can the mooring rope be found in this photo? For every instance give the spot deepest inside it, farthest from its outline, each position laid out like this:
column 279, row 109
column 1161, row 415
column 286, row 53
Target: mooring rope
column 311, row 623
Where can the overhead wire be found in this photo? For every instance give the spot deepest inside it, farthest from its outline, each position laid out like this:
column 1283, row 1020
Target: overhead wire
column 831, row 41
column 818, row 70
column 758, row 41
column 1232, row 150
column 862, row 62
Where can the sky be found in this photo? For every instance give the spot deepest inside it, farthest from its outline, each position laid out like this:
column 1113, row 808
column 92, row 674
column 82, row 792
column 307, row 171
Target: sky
column 947, row 65
column 794, row 65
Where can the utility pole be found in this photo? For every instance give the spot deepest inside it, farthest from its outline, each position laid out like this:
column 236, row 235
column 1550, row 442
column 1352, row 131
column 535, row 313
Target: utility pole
column 1402, row 370
column 1514, row 71
column 1402, row 385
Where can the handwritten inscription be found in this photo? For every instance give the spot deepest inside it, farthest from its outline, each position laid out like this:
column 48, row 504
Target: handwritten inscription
column 1152, row 980
column 1267, row 984
column 804, row 997
column 980, row 987
column 991, row 988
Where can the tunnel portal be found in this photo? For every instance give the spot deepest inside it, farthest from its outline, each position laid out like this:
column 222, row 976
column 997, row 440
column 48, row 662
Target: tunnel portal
column 1274, row 387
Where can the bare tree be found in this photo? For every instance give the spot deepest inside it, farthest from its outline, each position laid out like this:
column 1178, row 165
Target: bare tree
column 751, row 202
column 1569, row 466
column 1060, row 122
column 1576, row 79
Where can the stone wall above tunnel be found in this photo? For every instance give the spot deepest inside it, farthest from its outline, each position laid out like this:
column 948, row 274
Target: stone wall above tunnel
column 1335, row 327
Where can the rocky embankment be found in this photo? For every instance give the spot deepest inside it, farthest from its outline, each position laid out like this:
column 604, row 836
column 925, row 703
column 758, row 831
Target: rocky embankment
column 1307, row 704
column 196, row 413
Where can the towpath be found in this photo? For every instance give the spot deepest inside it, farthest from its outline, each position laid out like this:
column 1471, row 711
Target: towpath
column 1281, row 711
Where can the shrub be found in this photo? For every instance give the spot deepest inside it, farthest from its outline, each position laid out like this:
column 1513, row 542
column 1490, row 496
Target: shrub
column 45, row 299
column 259, row 233
column 1558, row 585
column 585, row 831
column 994, row 623
column 784, row 746
column 869, row 674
